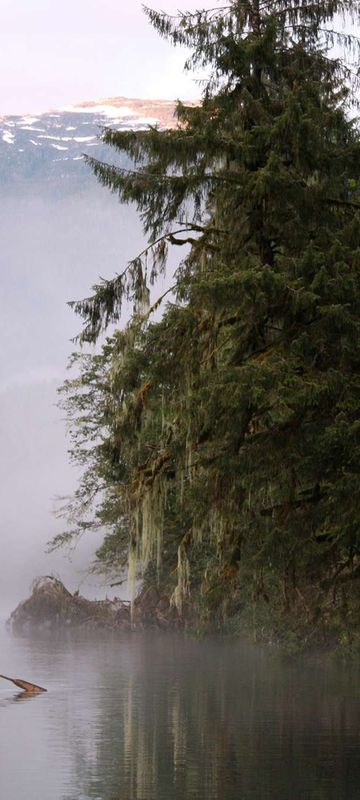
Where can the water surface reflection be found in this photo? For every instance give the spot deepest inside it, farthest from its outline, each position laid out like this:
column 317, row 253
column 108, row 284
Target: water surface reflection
column 153, row 717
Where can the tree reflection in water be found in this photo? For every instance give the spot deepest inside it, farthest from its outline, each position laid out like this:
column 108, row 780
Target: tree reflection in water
column 197, row 720
column 19, row 696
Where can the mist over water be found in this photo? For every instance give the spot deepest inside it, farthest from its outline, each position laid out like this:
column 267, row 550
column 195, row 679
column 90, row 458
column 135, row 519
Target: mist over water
column 154, row 717
column 54, row 247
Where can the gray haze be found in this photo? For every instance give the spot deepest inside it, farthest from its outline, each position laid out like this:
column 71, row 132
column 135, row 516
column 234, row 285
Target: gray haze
column 60, row 232
column 52, row 250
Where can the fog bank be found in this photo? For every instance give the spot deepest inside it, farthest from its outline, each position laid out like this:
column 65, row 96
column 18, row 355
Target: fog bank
column 53, row 250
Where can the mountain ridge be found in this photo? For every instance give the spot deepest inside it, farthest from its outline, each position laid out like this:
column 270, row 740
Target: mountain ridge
column 160, row 109
column 51, row 145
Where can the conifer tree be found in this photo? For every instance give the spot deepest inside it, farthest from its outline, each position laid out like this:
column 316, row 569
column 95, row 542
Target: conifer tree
column 230, row 449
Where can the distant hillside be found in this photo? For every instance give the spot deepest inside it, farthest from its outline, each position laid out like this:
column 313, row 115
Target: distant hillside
column 50, row 146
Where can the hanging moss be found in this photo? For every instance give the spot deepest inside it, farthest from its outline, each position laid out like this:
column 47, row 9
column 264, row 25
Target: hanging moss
column 181, row 592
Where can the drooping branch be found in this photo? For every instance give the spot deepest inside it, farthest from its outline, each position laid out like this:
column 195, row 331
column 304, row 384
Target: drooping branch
column 105, row 305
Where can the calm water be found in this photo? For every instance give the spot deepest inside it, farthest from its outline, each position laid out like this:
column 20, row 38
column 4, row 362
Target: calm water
column 151, row 717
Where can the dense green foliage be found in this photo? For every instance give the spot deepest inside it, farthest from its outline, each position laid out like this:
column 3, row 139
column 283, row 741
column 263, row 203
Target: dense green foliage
column 223, row 441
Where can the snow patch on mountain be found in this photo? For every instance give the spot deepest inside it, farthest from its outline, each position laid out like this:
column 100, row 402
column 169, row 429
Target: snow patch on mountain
column 8, row 137
column 102, row 110
column 29, row 120
column 30, row 128
column 83, row 138
column 55, row 138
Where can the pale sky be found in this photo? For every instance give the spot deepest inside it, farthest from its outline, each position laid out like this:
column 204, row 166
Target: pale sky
column 52, row 53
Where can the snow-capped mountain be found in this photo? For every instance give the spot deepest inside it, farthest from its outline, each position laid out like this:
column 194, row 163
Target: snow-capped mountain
column 52, row 144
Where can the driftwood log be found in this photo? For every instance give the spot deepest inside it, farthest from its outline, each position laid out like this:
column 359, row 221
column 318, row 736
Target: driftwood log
column 51, row 606
column 25, row 685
